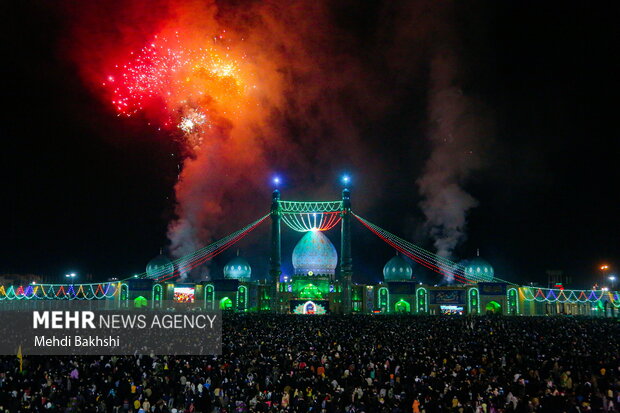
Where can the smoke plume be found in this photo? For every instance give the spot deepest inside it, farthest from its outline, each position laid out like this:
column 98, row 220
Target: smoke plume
column 457, row 129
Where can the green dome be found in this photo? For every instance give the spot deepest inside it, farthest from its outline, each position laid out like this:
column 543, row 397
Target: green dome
column 159, row 266
column 238, row 268
column 397, row 269
column 315, row 254
column 478, row 270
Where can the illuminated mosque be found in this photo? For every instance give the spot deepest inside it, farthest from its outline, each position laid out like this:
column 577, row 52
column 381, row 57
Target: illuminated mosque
column 322, row 279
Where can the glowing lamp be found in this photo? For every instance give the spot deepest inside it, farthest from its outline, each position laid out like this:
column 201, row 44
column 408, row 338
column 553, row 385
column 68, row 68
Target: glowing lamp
column 346, row 179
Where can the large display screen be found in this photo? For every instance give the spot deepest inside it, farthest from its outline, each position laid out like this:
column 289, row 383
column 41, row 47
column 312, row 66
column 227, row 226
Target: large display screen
column 184, row 294
column 309, row 307
column 451, row 309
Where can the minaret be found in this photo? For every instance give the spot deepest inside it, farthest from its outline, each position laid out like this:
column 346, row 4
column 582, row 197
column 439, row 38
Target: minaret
column 346, row 261
column 275, row 258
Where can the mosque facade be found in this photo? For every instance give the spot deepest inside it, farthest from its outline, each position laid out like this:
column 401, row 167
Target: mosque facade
column 322, row 280
column 315, row 287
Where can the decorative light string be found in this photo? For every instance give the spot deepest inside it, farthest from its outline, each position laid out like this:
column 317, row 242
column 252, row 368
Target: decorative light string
column 396, row 243
column 552, row 295
column 311, row 221
column 193, row 260
column 432, row 261
column 444, row 265
column 309, row 207
column 59, row 291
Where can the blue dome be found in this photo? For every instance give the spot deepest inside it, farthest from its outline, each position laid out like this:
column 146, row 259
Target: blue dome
column 314, row 254
column 159, row 266
column 397, row 269
column 478, row 270
column 238, row 268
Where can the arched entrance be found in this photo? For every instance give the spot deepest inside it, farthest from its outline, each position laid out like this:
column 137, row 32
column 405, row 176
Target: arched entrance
column 309, row 308
column 383, row 300
column 493, row 307
column 402, row 306
column 140, row 302
column 226, row 304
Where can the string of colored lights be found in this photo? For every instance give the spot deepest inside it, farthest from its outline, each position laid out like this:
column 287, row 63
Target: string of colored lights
column 417, row 258
column 447, row 266
column 311, row 221
column 309, row 207
column 552, row 295
column 60, row 291
column 420, row 255
column 200, row 253
column 198, row 257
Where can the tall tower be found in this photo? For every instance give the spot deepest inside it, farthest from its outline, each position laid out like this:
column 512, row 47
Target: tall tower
column 275, row 257
column 346, row 261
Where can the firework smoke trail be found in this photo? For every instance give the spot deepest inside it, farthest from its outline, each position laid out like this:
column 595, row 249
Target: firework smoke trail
column 456, row 133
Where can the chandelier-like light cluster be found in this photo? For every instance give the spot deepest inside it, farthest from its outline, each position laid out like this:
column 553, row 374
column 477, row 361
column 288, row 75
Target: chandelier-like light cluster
column 311, row 221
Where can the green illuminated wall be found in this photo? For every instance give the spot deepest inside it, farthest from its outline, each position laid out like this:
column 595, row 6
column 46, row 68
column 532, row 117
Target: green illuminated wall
column 311, row 289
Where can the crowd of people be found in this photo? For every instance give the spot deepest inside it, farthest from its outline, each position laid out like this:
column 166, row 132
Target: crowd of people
column 361, row 363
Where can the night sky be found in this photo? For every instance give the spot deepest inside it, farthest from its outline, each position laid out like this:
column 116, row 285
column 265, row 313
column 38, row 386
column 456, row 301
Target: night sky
column 90, row 192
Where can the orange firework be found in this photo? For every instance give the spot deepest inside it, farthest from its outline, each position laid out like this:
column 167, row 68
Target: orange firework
column 199, row 88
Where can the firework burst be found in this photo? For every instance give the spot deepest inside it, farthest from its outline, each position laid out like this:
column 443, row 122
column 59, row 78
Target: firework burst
column 195, row 88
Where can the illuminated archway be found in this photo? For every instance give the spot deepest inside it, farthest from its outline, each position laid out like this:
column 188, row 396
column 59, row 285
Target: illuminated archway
column 422, row 300
column 140, row 302
column 242, row 298
column 226, row 304
column 513, row 301
column 473, row 301
column 309, row 308
column 402, row 306
column 157, row 295
column 124, row 296
column 210, row 296
column 493, row 307
column 383, row 300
